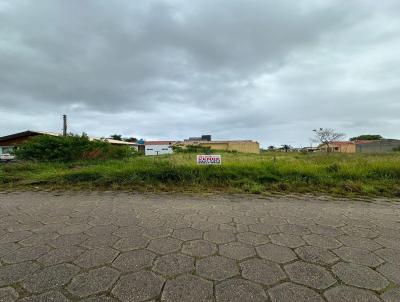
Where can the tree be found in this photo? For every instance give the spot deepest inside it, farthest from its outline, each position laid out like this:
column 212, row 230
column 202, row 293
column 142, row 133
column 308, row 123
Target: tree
column 117, row 137
column 366, row 137
column 286, row 147
column 326, row 136
column 130, row 139
column 271, row 148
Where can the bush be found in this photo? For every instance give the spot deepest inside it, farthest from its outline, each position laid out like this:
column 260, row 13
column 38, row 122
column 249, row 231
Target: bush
column 69, row 148
column 192, row 149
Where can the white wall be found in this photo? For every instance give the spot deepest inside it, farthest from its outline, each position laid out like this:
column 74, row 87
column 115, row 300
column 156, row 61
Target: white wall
column 157, row 149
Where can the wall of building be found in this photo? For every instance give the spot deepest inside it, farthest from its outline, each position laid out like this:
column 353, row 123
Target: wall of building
column 157, row 149
column 9, row 146
column 385, row 145
column 342, row 148
column 243, row 147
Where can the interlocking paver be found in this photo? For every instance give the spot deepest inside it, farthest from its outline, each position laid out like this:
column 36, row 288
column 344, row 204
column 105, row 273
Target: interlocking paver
column 359, row 242
column 391, row 256
column 26, row 254
column 293, row 292
column 101, row 230
column 199, row 248
column 358, row 256
column 216, row 268
column 68, row 240
column 238, row 290
column 392, row 295
column 325, row 230
column 391, row 272
column 294, row 229
column 262, row 271
column 51, row 296
column 50, row 278
column 15, row 236
column 350, row 294
column 219, row 236
column 132, row 243
column 8, row 294
column 273, row 220
column 96, row 257
column 253, row 238
column 39, row 239
column 188, row 288
column 59, row 255
column 133, row 261
column 390, row 243
column 237, row 250
column 360, row 276
column 287, row 240
column 244, row 246
column 140, row 286
column 93, row 282
column 316, row 255
column 106, row 240
column 359, row 232
column 6, row 248
column 263, row 228
column 74, row 229
column 308, row 274
column 157, row 232
column 17, row 272
column 276, row 253
column 129, row 231
column 325, row 242
column 165, row 245
column 187, row 234
column 99, row 299
column 174, row 264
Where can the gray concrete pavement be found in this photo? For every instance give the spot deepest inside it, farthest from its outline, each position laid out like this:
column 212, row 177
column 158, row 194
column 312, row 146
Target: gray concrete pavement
column 133, row 247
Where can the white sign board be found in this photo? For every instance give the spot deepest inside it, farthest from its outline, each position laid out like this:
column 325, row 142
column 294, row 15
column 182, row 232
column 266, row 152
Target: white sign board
column 208, row 159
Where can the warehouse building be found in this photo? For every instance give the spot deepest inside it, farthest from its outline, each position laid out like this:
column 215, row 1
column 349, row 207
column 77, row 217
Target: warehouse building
column 379, row 146
column 157, row 147
column 243, row 146
column 362, row 146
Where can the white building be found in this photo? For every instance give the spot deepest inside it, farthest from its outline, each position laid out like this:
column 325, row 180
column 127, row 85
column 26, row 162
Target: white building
column 158, row 147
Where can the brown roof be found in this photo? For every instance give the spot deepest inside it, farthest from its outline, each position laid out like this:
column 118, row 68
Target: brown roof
column 159, row 142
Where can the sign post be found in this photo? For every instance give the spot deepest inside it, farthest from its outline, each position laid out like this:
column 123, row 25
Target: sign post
column 209, row 159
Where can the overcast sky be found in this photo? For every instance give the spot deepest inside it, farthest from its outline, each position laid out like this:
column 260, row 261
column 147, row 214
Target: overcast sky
column 252, row 69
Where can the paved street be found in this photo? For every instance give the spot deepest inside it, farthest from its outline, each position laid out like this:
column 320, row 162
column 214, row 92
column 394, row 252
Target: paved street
column 132, row 247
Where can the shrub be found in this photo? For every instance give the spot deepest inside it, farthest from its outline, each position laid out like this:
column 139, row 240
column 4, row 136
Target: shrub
column 68, row 148
column 192, row 149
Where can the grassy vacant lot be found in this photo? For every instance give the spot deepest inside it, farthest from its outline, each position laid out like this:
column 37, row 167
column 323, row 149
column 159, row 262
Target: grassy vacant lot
column 339, row 174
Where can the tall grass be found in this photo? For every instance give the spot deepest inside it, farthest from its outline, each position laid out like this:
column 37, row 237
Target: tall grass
column 288, row 172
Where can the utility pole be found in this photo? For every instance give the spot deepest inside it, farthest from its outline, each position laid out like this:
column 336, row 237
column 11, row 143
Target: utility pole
column 64, row 125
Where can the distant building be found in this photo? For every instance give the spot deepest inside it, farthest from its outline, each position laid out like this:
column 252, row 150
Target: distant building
column 205, row 138
column 157, row 147
column 378, row 146
column 243, row 146
column 362, row 146
column 9, row 143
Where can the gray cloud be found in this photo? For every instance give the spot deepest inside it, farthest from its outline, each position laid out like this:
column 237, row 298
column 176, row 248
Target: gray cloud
column 264, row 70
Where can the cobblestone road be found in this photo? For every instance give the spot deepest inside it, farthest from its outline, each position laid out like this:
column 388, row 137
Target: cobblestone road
column 124, row 247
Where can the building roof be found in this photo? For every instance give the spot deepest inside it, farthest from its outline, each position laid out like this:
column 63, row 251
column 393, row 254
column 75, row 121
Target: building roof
column 27, row 133
column 159, row 142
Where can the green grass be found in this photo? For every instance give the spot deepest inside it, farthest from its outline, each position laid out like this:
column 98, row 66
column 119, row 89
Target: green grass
column 338, row 174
